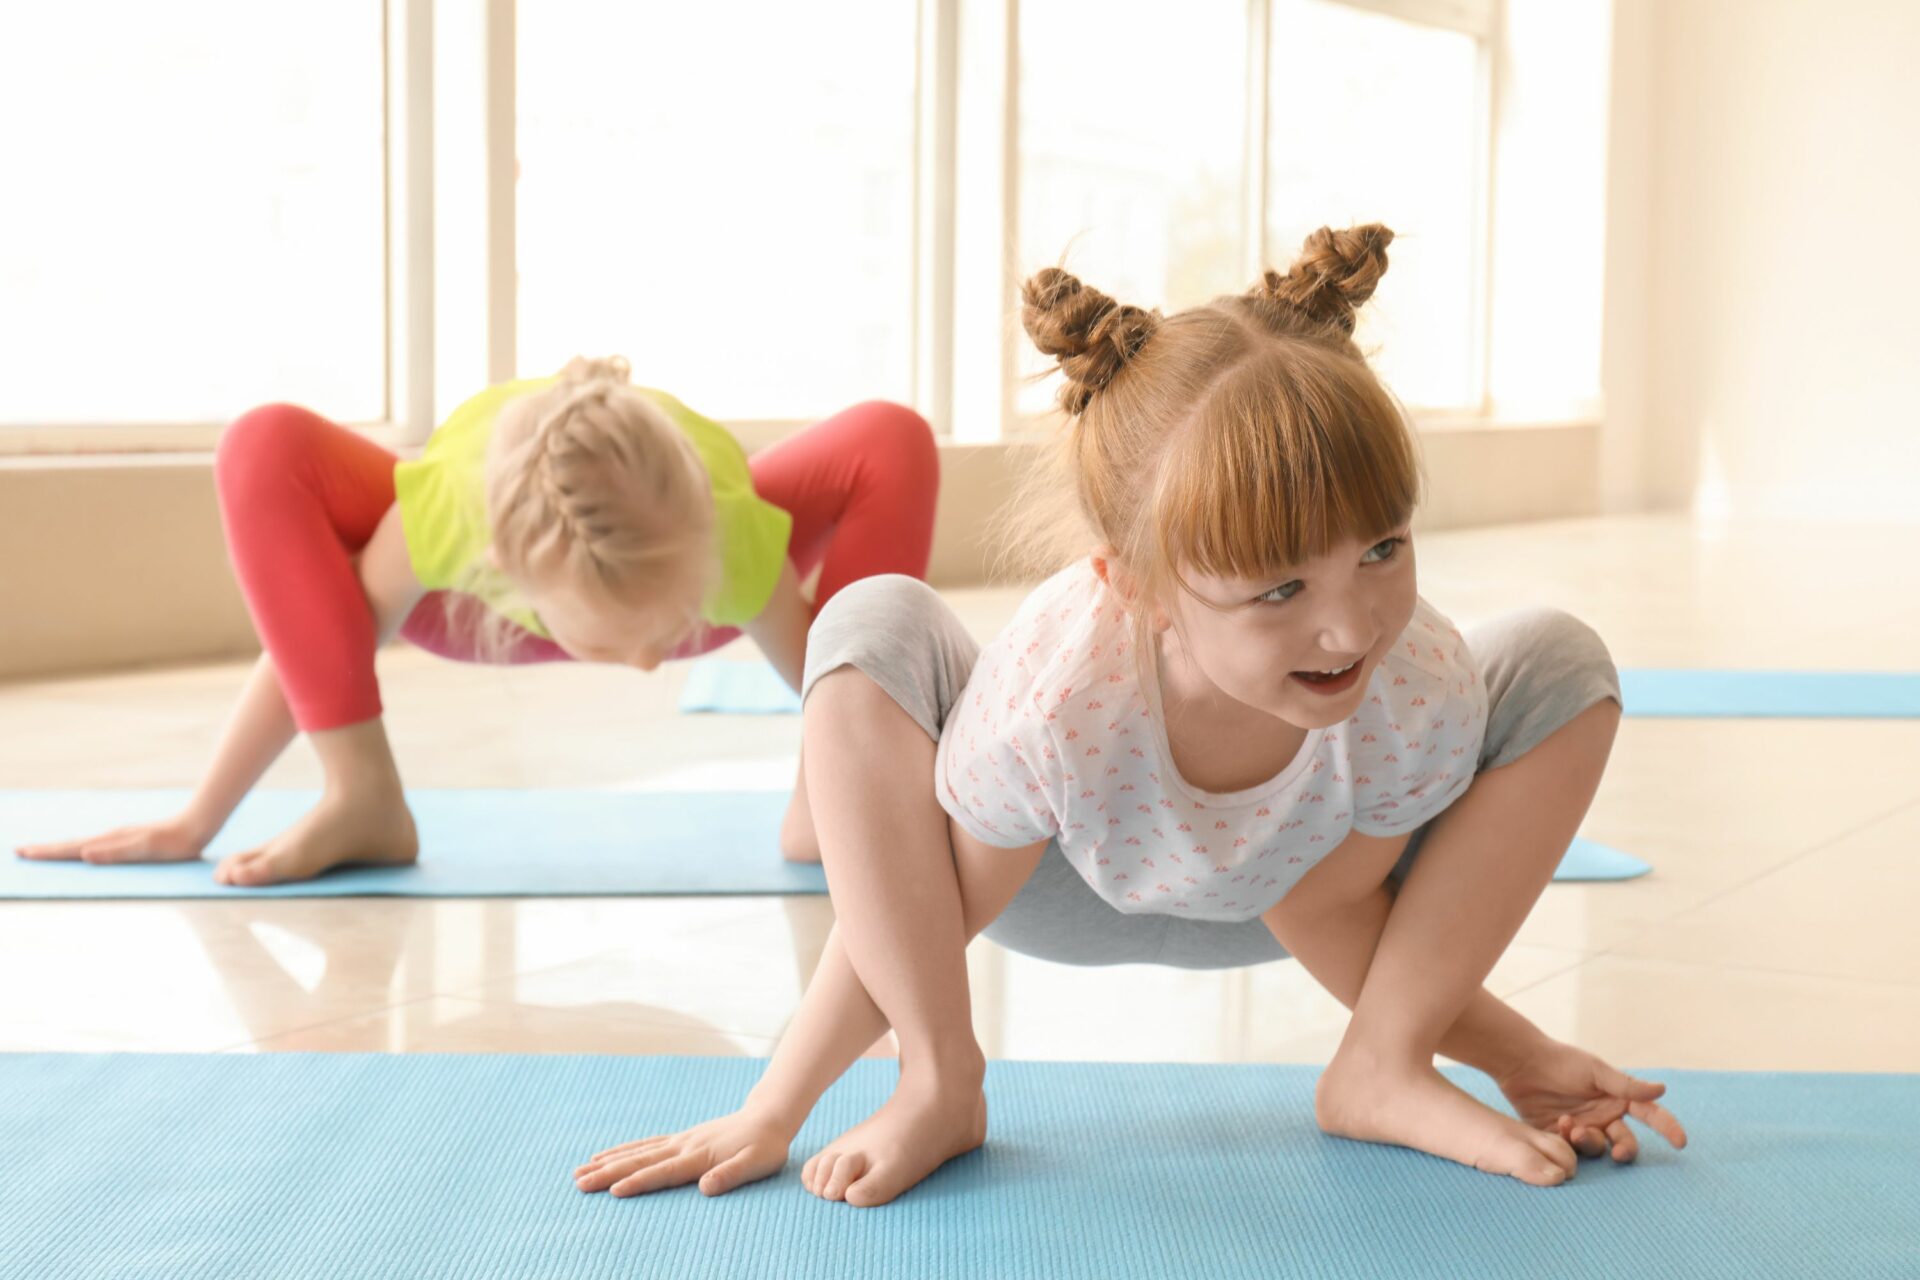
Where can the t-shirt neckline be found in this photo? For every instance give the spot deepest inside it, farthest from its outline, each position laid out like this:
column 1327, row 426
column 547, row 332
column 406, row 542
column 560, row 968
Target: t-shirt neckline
column 1170, row 772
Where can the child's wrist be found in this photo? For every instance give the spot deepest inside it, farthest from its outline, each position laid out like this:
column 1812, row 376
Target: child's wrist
column 197, row 826
column 783, row 1117
column 1498, row 1045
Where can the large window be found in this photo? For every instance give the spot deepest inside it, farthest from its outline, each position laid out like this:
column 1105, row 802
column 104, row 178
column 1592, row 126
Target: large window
column 722, row 193
column 1375, row 119
column 772, row 209
column 1132, row 117
column 194, row 218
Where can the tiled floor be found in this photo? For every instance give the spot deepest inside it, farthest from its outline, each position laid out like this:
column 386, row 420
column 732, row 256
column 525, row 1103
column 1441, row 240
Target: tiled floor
column 1777, row 930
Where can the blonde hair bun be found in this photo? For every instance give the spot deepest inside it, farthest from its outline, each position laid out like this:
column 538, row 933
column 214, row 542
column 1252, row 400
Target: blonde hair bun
column 1092, row 335
column 1335, row 274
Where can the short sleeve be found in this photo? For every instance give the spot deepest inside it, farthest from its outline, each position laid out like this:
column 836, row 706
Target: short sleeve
column 1409, row 777
column 751, row 532
column 997, row 772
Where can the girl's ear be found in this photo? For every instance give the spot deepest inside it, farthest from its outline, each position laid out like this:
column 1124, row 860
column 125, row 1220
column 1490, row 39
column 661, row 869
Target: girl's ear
column 1111, row 572
column 490, row 558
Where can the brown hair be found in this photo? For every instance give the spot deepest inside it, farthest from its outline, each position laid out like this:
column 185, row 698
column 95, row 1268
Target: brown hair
column 1236, row 438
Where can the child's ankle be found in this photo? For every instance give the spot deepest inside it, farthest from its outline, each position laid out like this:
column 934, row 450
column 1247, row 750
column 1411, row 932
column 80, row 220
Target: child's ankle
column 957, row 1064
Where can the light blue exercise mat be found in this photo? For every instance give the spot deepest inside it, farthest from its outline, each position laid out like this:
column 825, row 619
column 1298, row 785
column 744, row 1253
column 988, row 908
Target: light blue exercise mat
column 431, row 1165
column 737, row 688
column 752, row 688
column 1780, row 695
column 488, row 844
column 473, row 844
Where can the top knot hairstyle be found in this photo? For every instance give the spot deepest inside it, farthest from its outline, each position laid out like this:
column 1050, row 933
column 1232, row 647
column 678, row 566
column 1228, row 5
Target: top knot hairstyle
column 1089, row 333
column 1237, row 438
column 1334, row 276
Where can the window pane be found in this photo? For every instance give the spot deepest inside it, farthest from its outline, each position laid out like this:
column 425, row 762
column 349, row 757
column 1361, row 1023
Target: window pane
column 195, row 211
column 723, row 194
column 1132, row 129
column 1375, row 120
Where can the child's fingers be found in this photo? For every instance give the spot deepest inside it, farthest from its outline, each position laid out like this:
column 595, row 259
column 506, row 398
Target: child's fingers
column 669, row 1172
column 621, row 1164
column 1624, row 1146
column 600, row 1177
column 726, row 1175
column 116, row 846
column 1660, row 1120
column 1621, row 1085
column 69, row 850
column 60, row 851
column 625, row 1148
column 1587, row 1140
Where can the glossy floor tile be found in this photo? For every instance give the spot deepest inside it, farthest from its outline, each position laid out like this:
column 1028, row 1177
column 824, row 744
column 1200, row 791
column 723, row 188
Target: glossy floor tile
column 1775, row 932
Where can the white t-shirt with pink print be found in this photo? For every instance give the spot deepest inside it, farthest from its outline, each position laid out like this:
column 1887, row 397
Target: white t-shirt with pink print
column 1053, row 738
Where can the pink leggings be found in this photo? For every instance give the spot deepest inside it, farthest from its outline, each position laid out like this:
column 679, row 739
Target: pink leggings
column 300, row 496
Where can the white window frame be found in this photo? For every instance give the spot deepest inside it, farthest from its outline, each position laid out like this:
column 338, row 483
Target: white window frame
column 965, row 241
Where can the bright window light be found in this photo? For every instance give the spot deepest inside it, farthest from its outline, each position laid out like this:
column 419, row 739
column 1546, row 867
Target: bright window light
column 1373, row 119
column 1132, row 128
column 195, row 211
column 723, row 194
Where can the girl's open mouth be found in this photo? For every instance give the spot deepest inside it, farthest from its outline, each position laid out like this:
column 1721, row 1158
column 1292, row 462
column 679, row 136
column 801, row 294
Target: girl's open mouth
column 1336, row 682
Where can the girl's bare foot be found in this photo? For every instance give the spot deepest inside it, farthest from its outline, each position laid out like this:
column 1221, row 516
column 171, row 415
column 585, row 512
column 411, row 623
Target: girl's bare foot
column 924, row 1124
column 367, row 827
column 1413, row 1105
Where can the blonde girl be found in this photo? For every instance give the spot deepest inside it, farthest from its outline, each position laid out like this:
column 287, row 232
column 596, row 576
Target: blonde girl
column 572, row 517
column 1219, row 737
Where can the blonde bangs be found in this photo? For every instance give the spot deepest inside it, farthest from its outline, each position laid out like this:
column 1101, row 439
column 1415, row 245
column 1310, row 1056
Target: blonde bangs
column 1293, row 452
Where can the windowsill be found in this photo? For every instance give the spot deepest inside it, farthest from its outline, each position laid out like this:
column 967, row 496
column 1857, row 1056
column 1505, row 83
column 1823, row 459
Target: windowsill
column 95, row 445
column 86, row 447
column 1443, row 422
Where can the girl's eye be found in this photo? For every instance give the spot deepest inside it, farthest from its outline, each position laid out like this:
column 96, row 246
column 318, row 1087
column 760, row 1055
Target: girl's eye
column 1392, row 548
column 1386, row 550
column 1285, row 591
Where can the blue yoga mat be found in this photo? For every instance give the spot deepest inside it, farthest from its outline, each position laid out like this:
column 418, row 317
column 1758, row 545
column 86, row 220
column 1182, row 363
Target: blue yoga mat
column 488, row 844
column 752, row 688
column 474, row 844
column 737, row 688
column 1836, row 695
column 429, row 1165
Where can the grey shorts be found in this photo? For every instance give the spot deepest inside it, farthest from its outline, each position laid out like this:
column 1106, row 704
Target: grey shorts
column 1543, row 667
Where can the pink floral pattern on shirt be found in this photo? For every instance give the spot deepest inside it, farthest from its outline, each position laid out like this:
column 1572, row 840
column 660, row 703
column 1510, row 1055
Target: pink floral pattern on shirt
column 1051, row 738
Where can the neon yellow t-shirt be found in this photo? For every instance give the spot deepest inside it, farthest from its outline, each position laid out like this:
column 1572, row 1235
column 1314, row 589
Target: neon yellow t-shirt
column 443, row 511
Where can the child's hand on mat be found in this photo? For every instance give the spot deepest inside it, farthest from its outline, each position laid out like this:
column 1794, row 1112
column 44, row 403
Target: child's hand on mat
column 723, row 1154
column 172, row 840
column 1572, row 1093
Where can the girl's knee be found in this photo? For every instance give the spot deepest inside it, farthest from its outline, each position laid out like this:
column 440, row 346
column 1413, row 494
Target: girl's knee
column 261, row 441
column 902, row 438
column 886, row 599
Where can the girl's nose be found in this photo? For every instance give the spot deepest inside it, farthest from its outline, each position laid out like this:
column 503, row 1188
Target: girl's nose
column 1347, row 628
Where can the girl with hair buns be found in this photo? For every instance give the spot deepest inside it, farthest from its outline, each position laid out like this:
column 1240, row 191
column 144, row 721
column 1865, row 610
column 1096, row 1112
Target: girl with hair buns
column 1219, row 737
column 571, row 517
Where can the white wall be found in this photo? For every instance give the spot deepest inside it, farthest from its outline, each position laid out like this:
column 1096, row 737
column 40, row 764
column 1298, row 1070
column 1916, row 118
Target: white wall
column 1774, row 144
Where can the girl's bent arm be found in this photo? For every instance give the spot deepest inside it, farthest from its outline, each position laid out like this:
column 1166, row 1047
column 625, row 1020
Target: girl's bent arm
column 780, row 629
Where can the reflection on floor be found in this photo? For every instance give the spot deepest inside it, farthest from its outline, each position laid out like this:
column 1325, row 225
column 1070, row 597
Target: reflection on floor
column 1775, row 933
